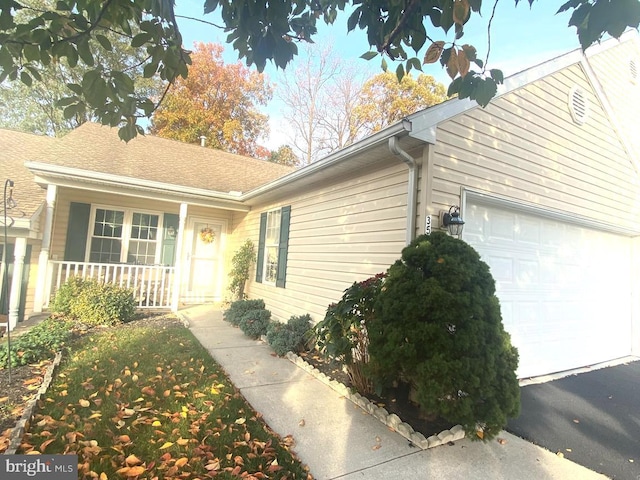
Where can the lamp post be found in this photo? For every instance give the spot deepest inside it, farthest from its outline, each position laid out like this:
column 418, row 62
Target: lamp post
column 8, row 203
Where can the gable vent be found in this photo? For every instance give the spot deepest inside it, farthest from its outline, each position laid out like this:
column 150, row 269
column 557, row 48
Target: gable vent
column 633, row 70
column 578, row 105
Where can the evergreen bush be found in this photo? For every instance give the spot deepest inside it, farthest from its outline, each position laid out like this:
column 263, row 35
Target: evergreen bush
column 254, row 323
column 241, row 264
column 237, row 309
column 438, row 327
column 290, row 336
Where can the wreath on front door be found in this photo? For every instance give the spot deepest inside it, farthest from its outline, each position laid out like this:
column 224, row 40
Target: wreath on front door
column 207, row 235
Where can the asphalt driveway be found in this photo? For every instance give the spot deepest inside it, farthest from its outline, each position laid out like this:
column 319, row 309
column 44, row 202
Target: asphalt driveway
column 592, row 418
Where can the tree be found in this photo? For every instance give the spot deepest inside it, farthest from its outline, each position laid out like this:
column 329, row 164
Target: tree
column 385, row 100
column 34, row 108
column 217, row 101
column 259, row 31
column 284, row 155
column 329, row 106
column 303, row 91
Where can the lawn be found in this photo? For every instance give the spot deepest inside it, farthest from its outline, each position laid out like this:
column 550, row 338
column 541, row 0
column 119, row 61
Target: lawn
column 149, row 402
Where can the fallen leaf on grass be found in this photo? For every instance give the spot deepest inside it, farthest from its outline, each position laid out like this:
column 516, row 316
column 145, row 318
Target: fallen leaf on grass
column 166, row 445
column 181, row 462
column 84, row 403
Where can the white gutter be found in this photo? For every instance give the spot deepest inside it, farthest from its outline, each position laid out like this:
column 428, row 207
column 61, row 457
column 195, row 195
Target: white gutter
column 403, row 126
column 412, row 194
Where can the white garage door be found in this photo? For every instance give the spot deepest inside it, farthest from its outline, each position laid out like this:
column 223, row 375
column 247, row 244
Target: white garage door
column 564, row 290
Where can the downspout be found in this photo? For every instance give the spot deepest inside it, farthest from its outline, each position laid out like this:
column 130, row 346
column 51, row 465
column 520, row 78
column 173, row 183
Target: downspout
column 412, row 194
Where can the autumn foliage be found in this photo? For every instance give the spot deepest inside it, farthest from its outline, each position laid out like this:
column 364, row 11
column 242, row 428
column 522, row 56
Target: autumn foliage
column 218, row 101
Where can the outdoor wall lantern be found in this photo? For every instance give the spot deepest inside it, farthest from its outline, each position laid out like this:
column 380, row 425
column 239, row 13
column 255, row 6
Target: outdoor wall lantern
column 452, row 221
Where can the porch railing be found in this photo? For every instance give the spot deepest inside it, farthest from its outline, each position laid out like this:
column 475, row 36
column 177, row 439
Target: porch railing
column 152, row 285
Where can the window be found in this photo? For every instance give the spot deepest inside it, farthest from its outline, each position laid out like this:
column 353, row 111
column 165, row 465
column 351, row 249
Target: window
column 272, row 238
column 273, row 245
column 124, row 236
column 106, row 240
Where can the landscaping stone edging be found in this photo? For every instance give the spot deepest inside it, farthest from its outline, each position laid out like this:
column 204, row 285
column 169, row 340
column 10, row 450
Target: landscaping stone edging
column 22, row 424
column 390, row 420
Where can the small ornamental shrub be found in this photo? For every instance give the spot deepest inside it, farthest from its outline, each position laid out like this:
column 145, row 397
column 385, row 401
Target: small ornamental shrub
column 39, row 343
column 254, row 323
column 66, row 294
column 291, row 336
column 342, row 335
column 103, row 304
column 241, row 266
column 438, row 327
column 237, row 310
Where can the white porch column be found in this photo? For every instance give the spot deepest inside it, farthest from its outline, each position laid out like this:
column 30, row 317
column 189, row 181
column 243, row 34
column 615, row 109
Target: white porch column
column 20, row 250
column 177, row 276
column 43, row 259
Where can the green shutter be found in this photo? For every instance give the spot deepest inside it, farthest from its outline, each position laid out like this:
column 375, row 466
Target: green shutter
column 77, row 230
column 170, row 225
column 261, row 242
column 283, row 246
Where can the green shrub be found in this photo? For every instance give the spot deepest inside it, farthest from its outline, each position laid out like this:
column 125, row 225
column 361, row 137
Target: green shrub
column 103, row 304
column 66, row 294
column 290, row 336
column 438, row 327
column 237, row 310
column 241, row 264
column 342, row 334
column 254, row 323
column 39, row 343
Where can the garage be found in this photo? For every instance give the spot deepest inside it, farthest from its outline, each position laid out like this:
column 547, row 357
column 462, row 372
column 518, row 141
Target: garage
column 564, row 286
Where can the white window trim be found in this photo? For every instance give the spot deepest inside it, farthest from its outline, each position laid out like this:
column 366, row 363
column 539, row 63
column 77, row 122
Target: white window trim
column 265, row 281
column 126, row 229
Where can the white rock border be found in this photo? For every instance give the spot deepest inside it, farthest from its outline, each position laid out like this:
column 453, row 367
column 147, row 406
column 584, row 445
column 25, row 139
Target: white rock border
column 18, row 431
column 390, row 420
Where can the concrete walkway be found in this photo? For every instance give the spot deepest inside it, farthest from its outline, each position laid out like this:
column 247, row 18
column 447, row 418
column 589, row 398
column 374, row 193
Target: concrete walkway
column 338, row 440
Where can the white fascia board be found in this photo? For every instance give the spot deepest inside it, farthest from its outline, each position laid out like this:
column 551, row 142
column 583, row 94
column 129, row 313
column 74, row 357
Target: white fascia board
column 402, row 127
column 71, row 177
column 425, row 123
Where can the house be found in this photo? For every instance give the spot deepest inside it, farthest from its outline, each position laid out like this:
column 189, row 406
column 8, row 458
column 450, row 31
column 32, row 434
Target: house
column 546, row 179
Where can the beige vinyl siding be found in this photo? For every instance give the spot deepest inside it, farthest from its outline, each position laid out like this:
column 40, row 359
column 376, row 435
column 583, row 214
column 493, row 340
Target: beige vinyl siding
column 612, row 70
column 339, row 233
column 526, row 147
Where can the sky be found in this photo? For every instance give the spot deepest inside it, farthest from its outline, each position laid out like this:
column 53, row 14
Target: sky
column 521, row 37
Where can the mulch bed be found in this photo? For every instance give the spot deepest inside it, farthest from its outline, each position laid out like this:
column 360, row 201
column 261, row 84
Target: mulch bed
column 396, row 400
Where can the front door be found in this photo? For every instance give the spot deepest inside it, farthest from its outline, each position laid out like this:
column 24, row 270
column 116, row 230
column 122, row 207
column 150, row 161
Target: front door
column 205, row 261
